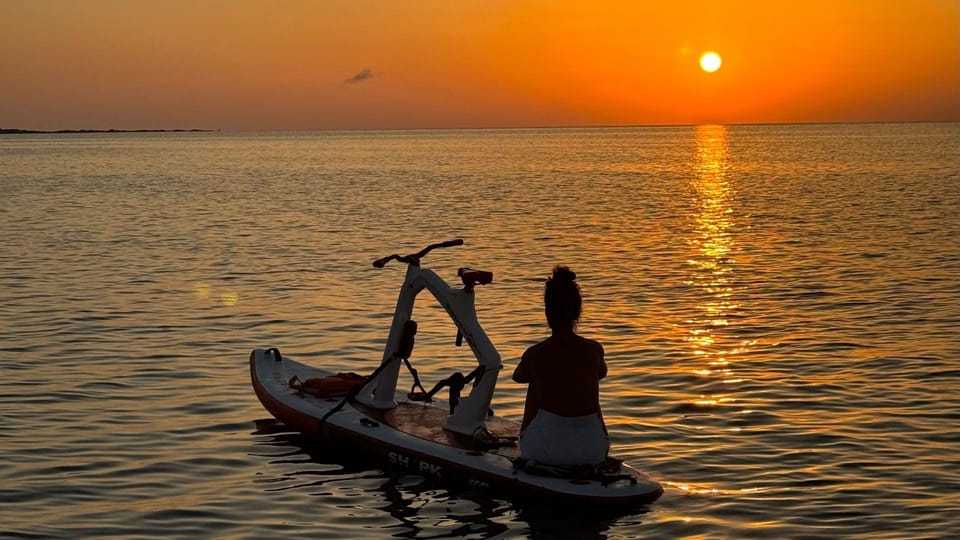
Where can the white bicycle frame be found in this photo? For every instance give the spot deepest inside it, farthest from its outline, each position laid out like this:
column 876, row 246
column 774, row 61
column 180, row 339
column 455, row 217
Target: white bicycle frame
column 471, row 413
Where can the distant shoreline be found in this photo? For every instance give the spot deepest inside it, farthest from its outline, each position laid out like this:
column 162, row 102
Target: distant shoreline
column 8, row 131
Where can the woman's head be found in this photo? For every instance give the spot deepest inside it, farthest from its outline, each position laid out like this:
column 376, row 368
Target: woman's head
column 561, row 298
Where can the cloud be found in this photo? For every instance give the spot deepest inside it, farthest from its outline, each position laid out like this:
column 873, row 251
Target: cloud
column 364, row 75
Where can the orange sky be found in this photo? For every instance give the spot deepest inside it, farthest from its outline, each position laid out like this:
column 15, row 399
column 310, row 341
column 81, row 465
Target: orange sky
column 284, row 64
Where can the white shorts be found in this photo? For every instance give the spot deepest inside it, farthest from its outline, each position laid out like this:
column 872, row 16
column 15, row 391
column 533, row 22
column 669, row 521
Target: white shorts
column 564, row 440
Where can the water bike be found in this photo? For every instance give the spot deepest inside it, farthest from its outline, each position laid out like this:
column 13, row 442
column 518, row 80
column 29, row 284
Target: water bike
column 458, row 440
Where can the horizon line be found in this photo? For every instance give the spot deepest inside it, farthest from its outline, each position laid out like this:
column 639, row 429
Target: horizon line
column 81, row 131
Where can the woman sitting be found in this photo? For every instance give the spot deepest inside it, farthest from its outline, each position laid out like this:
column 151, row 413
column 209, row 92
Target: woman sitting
column 562, row 422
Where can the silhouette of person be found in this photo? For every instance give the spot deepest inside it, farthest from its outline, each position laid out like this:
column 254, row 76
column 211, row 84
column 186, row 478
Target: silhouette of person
column 562, row 421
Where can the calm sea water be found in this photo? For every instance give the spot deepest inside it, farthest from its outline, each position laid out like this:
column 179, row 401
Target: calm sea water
column 779, row 307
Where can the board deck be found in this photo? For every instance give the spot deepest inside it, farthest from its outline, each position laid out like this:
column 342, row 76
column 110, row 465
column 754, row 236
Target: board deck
column 426, row 422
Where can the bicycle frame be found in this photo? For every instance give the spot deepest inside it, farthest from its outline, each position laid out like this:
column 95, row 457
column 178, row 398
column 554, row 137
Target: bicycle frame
column 471, row 413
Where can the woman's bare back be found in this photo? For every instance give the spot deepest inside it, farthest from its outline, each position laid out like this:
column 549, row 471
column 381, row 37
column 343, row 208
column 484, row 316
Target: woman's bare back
column 563, row 373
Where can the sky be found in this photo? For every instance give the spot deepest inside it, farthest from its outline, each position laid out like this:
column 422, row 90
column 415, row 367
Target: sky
column 392, row 64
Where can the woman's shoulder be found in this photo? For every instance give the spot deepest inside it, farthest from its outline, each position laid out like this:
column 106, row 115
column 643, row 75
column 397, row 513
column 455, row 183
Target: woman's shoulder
column 592, row 344
column 536, row 349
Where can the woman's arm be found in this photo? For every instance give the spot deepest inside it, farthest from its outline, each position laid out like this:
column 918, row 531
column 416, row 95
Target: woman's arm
column 603, row 364
column 602, row 373
column 522, row 373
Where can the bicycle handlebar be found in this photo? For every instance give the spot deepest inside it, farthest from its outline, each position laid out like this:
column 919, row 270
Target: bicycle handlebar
column 414, row 259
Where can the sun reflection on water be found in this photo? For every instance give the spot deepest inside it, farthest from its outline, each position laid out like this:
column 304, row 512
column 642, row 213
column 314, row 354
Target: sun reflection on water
column 707, row 489
column 204, row 291
column 712, row 267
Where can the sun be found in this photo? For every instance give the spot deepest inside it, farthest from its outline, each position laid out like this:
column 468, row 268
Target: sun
column 710, row 61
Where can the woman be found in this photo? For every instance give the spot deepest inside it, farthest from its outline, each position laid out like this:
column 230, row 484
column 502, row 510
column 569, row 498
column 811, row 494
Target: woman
column 562, row 422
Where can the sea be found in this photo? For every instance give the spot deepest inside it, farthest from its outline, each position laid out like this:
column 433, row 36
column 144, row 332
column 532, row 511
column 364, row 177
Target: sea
column 779, row 306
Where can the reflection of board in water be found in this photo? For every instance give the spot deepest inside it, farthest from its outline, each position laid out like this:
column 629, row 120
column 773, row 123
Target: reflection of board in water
column 412, row 435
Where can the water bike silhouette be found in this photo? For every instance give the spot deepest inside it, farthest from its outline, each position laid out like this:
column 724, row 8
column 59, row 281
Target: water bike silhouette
column 458, row 440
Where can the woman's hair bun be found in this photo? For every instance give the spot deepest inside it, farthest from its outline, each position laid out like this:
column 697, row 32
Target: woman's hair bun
column 562, row 274
column 561, row 298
